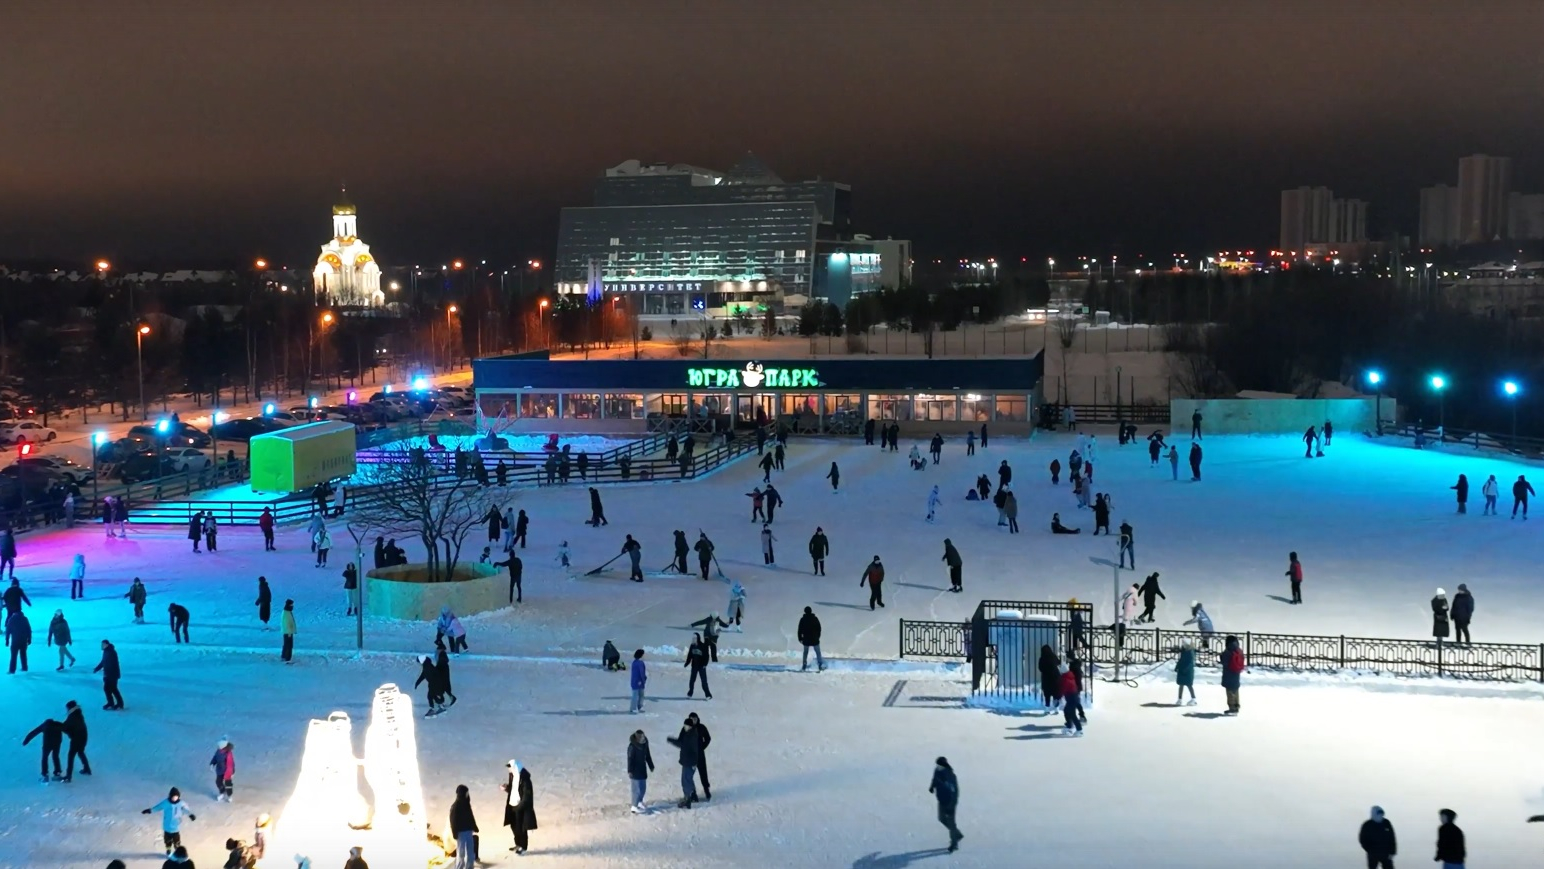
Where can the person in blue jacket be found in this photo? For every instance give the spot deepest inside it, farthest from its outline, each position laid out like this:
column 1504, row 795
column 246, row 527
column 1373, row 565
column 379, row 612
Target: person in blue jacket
column 1185, row 674
column 946, row 787
column 172, row 809
column 637, row 679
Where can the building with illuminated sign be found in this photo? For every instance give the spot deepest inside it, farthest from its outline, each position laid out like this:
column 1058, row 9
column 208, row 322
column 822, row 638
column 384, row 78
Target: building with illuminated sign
column 827, row 395
column 345, row 272
column 681, row 239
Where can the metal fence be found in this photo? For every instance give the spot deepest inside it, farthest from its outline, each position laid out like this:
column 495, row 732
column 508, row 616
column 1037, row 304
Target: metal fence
column 1152, row 646
column 1105, row 414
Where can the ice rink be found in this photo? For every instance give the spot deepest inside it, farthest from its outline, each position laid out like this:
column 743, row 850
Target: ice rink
column 832, row 770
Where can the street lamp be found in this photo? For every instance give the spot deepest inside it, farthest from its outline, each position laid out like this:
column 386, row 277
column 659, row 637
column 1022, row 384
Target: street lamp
column 139, row 359
column 450, row 332
column 261, row 263
column 1375, row 379
column 321, row 346
column 98, row 439
column 1438, row 384
column 102, row 266
column 1511, row 389
column 542, row 316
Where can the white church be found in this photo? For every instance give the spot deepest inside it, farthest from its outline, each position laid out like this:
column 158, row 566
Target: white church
column 345, row 272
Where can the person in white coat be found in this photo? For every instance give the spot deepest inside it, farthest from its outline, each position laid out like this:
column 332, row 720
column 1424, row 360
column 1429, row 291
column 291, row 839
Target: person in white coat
column 736, row 609
column 767, row 557
column 1490, row 490
column 932, row 503
column 1128, row 611
column 339, row 497
column 78, row 577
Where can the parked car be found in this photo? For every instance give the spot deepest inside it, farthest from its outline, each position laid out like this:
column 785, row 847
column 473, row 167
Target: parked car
column 244, row 429
column 177, row 434
column 25, row 430
column 188, row 459
column 288, row 418
column 145, row 465
column 75, row 473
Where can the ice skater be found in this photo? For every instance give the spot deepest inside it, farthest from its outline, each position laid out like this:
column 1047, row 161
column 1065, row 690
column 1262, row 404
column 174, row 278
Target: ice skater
column 1072, row 702
column 874, row 577
column 172, row 810
column 835, row 476
column 1185, row 673
column 52, row 733
column 1150, row 593
column 946, row 788
column 1127, row 544
column 224, row 764
column 563, row 554
column 78, row 577
column 179, row 621
column 758, row 499
column 697, row 659
column 1521, row 490
column 1295, row 575
column 682, row 549
column 956, row 566
column 640, row 762
column 736, row 608
column 1377, row 840
column 767, row 555
column 932, row 504
column 59, row 635
column 1490, row 490
column 1462, row 490
column 1202, row 621
column 820, row 547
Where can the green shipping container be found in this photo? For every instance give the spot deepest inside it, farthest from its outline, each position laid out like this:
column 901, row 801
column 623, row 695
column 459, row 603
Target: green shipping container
column 299, row 457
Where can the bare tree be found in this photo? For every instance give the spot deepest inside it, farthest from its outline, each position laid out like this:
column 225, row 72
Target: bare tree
column 441, row 509
column 682, row 339
column 1066, row 333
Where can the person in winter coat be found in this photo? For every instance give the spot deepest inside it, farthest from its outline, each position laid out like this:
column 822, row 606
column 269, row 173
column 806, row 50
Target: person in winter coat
column 323, row 541
column 1450, row 841
column 522, row 525
column 264, row 601
column 640, row 762
column 196, row 529
column 265, row 524
column 1490, row 490
column 1000, row 501
column 1101, row 514
column 442, row 673
column 1185, row 673
column 287, row 630
column 240, row 856
column 1127, row 544
column 634, row 551
column 1080, row 492
column 1202, row 621
column 1058, row 528
column 1076, row 636
column 429, row 677
column 1232, row 672
column 1295, row 576
column 688, row 745
column 874, row 576
column 956, row 566
column 1462, row 488
column 1521, row 490
column 736, row 609
column 463, row 826
column 767, row 463
column 1174, row 462
column 1195, row 463
column 211, row 532
column 1050, row 677
column 681, row 550
column 819, row 548
column 946, row 788
column 933, row 500
column 835, row 476
column 1011, row 510
column 597, row 511
column 224, row 764
column 1150, row 592
column 809, row 638
column 520, row 808
column 356, row 860
column 447, row 625
column 983, row 486
column 697, row 657
column 516, row 569
column 380, row 552
column 1072, row 702
column 178, row 858
column 1310, row 437
column 172, row 810
column 108, row 667
column 704, row 738
column 75, row 729
column 1004, row 474
column 710, row 626
column 915, row 458
column 704, row 550
column 1439, row 615
column 1377, row 840
column 1127, row 612
column 18, row 636
column 1462, row 611
column 53, row 737
column 767, row 555
column 59, row 635
column 15, row 598
column 495, row 521
column 1055, row 472
column 351, row 587
column 983, row 436
column 8, row 549
column 637, row 680
column 136, row 596
column 610, row 658
column 78, row 577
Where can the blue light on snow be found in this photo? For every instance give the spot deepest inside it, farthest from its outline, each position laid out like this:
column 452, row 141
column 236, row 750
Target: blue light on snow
column 421, row 383
column 268, row 409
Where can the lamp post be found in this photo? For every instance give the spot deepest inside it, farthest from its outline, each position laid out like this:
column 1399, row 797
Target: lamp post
column 97, row 440
column 1375, row 379
column 321, row 347
column 450, row 333
column 139, row 360
column 542, row 317
column 1511, row 389
column 1438, row 384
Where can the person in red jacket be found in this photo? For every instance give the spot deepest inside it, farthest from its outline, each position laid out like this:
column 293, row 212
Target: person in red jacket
column 874, row 576
column 1295, row 574
column 1072, row 701
column 1232, row 671
column 265, row 522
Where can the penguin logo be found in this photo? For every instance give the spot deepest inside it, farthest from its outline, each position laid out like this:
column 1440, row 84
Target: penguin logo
column 752, row 375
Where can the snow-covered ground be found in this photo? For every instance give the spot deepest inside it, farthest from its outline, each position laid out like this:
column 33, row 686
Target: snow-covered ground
column 831, row 770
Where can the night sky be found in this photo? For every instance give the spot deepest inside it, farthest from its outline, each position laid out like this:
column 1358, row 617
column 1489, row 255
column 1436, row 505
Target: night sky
column 202, row 131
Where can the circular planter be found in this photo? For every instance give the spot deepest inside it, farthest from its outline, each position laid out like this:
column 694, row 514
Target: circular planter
column 405, row 592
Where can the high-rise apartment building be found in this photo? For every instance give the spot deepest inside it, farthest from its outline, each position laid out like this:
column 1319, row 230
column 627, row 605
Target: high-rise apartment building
column 1439, row 216
column 1525, row 216
column 1305, row 217
column 1348, row 221
column 1483, row 185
